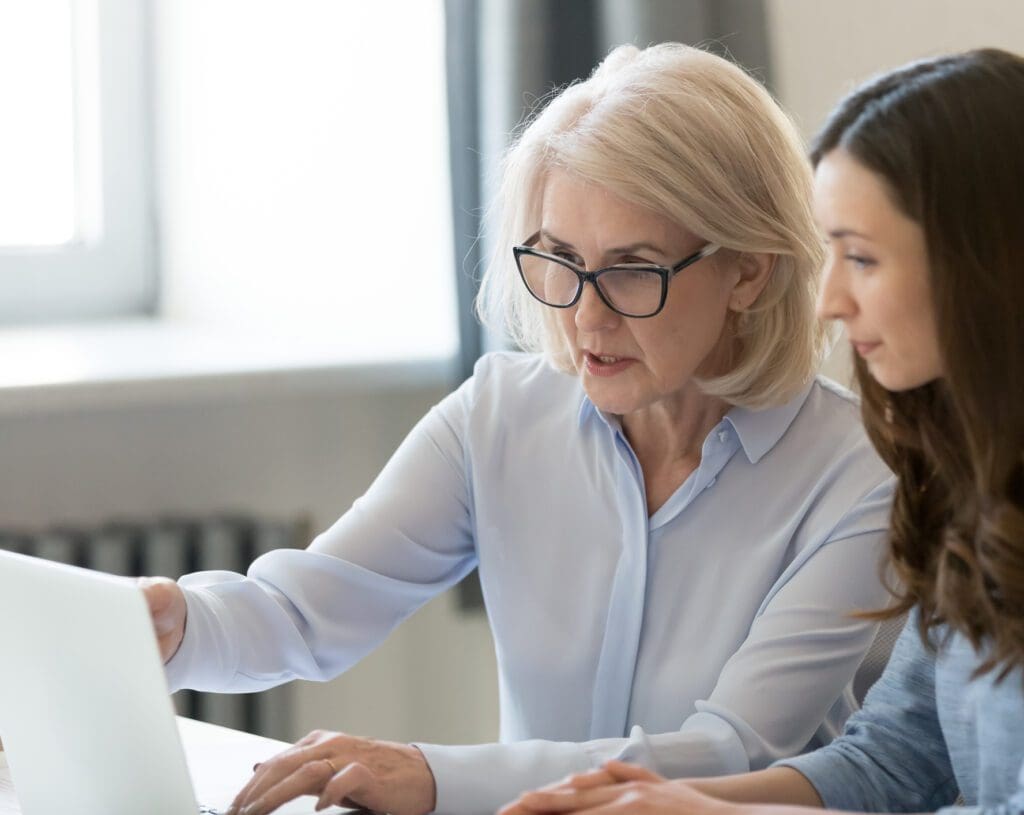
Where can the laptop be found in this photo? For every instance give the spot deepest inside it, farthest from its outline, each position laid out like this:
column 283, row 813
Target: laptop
column 85, row 715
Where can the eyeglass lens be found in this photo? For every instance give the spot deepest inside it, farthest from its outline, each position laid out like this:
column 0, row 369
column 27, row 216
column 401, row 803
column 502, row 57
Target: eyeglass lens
column 631, row 291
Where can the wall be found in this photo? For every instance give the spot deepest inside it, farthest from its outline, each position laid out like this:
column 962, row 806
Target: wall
column 821, row 50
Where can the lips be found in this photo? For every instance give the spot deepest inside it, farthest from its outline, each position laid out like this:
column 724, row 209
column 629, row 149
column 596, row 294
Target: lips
column 864, row 348
column 603, row 357
column 605, row 364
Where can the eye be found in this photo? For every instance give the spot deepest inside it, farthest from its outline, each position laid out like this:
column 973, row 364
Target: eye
column 625, row 274
column 860, row 262
column 563, row 254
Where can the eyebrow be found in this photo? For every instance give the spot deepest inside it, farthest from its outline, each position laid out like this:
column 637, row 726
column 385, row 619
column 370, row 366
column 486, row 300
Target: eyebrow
column 848, row 233
column 615, row 250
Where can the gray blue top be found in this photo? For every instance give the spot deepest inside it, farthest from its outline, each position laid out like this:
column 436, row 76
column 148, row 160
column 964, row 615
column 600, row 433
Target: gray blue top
column 709, row 637
column 926, row 731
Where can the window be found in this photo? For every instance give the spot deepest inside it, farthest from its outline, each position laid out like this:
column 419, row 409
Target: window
column 76, row 231
column 290, row 155
column 303, row 168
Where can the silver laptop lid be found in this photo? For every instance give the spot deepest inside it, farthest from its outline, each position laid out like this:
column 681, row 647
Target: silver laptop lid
column 85, row 715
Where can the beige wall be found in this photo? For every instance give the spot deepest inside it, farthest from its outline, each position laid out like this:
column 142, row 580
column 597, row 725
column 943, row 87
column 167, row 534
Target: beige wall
column 822, row 48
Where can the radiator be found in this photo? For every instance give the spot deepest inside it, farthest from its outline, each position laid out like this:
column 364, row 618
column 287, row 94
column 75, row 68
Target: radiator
column 171, row 548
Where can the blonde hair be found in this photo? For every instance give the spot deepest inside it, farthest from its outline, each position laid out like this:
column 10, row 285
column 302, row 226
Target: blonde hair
column 689, row 135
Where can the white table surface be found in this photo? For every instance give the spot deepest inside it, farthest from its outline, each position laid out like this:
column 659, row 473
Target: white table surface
column 219, row 759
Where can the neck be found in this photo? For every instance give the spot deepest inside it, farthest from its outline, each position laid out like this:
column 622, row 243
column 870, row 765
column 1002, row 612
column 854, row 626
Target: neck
column 672, row 432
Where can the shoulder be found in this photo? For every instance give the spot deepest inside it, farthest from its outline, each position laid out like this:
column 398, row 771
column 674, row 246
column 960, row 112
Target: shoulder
column 513, row 365
column 839, row 403
column 512, row 392
column 829, row 422
column 815, row 429
column 827, row 450
column 521, row 379
column 828, row 477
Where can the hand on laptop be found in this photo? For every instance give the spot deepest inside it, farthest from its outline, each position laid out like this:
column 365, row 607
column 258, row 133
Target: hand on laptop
column 381, row 776
column 167, row 608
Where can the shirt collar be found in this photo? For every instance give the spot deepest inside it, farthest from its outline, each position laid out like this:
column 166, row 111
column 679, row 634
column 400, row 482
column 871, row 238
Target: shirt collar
column 760, row 430
column 588, row 411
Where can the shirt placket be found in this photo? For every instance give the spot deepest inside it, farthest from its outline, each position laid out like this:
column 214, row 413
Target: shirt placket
column 613, row 687
column 614, row 680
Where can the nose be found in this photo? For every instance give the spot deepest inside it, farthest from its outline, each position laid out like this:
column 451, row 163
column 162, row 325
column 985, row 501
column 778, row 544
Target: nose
column 591, row 312
column 835, row 302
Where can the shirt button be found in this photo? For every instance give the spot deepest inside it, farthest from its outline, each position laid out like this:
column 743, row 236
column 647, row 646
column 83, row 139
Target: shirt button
column 711, row 483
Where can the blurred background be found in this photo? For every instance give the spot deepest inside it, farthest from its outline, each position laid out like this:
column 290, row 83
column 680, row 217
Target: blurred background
column 238, row 250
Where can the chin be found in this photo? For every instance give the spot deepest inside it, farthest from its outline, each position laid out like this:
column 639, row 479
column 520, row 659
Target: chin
column 900, row 380
column 613, row 406
column 607, row 401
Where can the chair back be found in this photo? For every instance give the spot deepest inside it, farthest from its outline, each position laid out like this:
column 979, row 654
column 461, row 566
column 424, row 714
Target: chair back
column 877, row 656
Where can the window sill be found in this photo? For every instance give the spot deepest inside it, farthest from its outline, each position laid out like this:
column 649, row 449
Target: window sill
column 144, row 361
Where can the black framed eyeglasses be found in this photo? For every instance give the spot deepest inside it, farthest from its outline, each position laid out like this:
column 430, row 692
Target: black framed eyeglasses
column 630, row 289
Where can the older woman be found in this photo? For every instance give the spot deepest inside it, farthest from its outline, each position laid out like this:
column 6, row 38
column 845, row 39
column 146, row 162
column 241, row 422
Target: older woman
column 671, row 516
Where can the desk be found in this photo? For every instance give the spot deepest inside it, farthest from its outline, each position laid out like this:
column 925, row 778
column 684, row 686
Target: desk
column 219, row 759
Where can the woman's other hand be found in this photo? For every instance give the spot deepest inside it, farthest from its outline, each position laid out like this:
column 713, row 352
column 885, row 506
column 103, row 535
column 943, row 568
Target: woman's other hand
column 166, row 603
column 616, row 788
column 343, row 770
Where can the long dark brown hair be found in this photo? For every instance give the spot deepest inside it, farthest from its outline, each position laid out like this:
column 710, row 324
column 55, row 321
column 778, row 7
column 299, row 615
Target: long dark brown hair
column 947, row 137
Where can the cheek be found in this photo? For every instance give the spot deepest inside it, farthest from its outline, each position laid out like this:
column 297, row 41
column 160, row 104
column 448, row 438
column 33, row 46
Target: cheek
column 566, row 324
column 909, row 315
column 906, row 325
column 884, row 307
column 922, row 341
column 564, row 321
column 686, row 336
column 697, row 306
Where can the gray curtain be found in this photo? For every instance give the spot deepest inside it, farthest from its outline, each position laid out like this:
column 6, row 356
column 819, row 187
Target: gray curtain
column 503, row 56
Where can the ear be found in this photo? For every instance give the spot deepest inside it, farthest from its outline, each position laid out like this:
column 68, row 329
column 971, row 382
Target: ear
column 755, row 270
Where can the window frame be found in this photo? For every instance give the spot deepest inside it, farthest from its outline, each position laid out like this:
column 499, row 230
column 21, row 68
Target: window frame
column 110, row 268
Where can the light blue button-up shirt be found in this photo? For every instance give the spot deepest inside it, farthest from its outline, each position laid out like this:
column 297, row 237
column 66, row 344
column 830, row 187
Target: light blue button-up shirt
column 709, row 637
column 928, row 730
